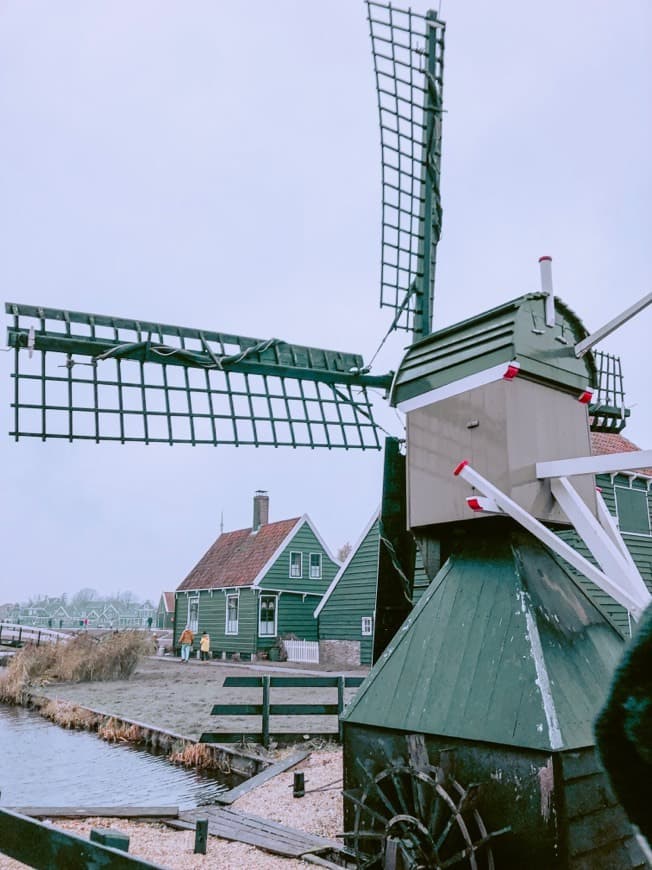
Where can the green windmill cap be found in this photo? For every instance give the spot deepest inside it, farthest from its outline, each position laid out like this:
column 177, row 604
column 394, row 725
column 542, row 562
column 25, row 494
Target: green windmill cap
column 513, row 332
column 503, row 648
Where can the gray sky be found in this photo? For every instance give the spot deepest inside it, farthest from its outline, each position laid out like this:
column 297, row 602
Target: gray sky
column 216, row 165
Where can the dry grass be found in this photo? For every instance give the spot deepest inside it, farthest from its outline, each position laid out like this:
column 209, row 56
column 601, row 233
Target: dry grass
column 199, row 756
column 83, row 658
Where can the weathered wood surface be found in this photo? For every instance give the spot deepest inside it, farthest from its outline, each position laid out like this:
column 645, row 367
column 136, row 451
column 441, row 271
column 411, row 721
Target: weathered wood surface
column 233, row 794
column 120, row 812
column 263, row 833
column 38, row 845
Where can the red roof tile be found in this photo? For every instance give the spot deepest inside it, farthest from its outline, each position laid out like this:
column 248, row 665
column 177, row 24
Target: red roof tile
column 236, row 558
column 168, row 601
column 603, row 443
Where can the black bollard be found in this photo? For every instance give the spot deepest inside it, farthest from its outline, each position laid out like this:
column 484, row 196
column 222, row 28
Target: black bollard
column 201, row 836
column 299, row 785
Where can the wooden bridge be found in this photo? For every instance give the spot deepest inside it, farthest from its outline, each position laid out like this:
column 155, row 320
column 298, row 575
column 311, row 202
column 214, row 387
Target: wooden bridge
column 13, row 634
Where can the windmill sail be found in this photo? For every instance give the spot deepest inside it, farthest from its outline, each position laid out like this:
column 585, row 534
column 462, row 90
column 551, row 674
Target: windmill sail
column 408, row 52
column 90, row 377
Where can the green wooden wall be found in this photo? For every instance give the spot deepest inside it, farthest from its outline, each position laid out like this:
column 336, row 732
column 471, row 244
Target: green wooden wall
column 354, row 597
column 304, row 541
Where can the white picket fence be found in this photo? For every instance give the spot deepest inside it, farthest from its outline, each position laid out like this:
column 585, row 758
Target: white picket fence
column 302, row 651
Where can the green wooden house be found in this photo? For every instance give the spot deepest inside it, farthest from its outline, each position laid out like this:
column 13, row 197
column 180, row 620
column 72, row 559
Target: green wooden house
column 256, row 585
column 346, row 613
column 165, row 610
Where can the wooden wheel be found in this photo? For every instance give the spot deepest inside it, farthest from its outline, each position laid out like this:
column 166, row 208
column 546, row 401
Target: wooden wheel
column 418, row 819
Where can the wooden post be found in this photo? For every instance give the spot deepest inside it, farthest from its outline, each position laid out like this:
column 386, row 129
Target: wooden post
column 266, row 711
column 340, row 705
column 201, row 836
column 299, row 788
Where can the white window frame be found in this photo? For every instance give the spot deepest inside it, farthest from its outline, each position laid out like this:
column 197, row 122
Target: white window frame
column 193, row 624
column 367, row 626
column 227, row 629
column 300, row 574
column 644, row 492
column 260, row 607
column 317, row 575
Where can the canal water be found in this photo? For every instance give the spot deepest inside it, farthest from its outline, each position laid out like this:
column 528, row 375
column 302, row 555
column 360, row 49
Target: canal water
column 42, row 764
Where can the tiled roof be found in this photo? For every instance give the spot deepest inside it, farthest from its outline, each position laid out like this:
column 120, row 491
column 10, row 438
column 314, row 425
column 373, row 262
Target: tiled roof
column 603, row 442
column 168, row 601
column 236, row 558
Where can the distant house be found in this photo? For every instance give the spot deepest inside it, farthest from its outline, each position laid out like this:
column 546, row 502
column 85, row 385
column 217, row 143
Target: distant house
column 347, row 612
column 255, row 585
column 165, row 611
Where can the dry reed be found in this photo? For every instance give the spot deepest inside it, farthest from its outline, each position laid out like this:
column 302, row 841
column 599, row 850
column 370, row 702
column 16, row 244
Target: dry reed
column 83, row 658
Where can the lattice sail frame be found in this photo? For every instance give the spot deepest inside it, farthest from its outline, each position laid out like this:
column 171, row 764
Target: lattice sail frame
column 91, row 377
column 607, row 410
column 408, row 52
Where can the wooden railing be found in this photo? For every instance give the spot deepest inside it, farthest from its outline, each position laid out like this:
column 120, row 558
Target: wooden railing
column 12, row 633
column 38, row 845
column 265, row 708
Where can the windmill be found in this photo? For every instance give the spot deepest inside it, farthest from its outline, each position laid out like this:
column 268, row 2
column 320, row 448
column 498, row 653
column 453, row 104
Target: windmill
column 81, row 376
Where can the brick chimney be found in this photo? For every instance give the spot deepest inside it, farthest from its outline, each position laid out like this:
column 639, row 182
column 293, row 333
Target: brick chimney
column 261, row 509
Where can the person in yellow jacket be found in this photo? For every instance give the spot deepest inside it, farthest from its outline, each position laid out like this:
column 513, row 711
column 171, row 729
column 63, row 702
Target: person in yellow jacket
column 186, row 640
column 205, row 646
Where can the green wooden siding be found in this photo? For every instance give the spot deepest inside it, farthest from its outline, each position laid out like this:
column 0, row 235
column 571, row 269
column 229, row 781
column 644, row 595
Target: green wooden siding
column 305, row 542
column 354, row 597
column 640, row 547
column 212, row 618
column 294, row 616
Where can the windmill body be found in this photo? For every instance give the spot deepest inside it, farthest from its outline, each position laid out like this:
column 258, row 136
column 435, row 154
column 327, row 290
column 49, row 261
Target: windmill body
column 471, row 742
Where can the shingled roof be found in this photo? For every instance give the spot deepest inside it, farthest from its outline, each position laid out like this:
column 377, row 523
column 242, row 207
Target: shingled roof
column 237, row 558
column 168, row 601
column 603, row 443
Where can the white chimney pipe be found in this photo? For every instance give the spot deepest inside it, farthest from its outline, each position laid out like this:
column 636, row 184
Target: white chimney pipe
column 545, row 265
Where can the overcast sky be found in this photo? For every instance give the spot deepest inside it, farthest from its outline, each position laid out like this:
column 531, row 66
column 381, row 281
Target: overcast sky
column 217, row 165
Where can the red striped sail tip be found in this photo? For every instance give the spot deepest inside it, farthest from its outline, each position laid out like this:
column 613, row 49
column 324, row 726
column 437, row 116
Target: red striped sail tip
column 585, row 397
column 545, row 257
column 462, row 465
column 474, row 504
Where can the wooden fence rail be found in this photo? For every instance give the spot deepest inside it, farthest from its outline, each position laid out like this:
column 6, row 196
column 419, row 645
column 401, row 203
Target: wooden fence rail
column 265, row 708
column 39, row 845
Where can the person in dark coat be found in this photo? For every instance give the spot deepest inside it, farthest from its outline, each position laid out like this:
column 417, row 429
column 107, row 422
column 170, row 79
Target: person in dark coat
column 623, row 729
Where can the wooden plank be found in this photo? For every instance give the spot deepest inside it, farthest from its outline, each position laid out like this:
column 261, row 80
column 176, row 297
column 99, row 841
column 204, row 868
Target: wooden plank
column 262, row 777
column 291, row 682
column 39, row 845
column 230, row 824
column 120, row 812
column 237, row 710
column 257, row 736
column 275, row 710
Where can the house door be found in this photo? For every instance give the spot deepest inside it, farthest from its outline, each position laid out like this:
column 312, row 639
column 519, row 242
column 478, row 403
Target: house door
column 193, row 614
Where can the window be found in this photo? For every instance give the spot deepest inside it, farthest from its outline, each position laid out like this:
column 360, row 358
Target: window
column 267, row 616
column 296, row 564
column 315, row 566
column 193, row 613
column 367, row 626
column 632, row 509
column 232, row 602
